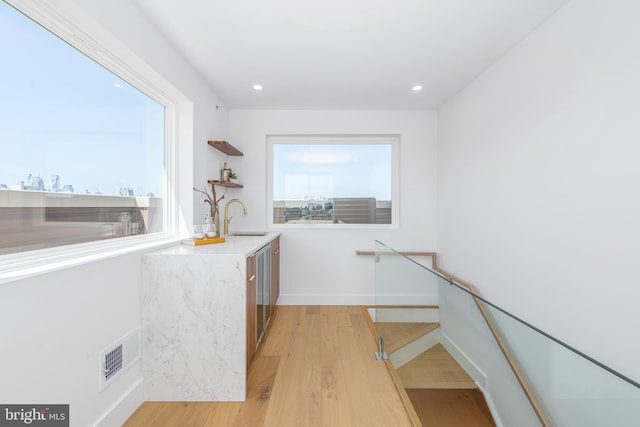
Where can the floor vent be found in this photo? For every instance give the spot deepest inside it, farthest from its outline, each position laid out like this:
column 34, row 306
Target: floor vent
column 118, row 357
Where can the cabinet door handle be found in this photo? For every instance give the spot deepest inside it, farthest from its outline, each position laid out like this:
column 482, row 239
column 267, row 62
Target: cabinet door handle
column 277, row 251
column 252, row 277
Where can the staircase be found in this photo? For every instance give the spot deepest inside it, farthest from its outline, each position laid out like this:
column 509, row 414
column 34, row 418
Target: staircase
column 441, row 391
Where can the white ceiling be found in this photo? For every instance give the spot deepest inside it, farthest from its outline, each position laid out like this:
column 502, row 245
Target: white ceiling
column 344, row 54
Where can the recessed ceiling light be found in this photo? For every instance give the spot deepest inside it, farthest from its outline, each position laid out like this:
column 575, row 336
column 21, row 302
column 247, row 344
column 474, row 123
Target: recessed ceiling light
column 257, row 87
column 417, row 88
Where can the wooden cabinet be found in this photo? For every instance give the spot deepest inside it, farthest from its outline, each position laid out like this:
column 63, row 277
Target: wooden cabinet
column 275, row 272
column 263, row 289
column 251, row 307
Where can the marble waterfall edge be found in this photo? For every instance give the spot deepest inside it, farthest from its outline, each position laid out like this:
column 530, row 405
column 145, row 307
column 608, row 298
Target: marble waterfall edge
column 193, row 327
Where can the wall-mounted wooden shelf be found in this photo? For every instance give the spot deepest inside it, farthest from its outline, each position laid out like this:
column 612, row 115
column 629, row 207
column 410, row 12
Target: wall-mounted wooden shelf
column 226, row 148
column 227, row 184
column 229, row 150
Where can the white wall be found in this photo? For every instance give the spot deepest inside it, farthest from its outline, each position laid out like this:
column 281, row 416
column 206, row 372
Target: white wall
column 538, row 180
column 55, row 325
column 319, row 266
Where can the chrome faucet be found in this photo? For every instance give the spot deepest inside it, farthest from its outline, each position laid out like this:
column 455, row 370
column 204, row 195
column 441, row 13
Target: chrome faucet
column 227, row 218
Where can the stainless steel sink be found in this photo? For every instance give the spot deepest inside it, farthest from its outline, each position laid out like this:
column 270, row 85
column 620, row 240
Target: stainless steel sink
column 249, row 233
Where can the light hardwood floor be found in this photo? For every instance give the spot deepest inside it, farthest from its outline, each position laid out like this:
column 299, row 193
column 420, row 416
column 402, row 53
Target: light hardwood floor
column 315, row 367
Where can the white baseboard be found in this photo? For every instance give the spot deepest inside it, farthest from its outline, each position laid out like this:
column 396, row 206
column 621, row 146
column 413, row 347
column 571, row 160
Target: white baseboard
column 412, row 315
column 463, row 360
column 122, row 410
column 406, row 300
column 343, row 299
column 324, row 299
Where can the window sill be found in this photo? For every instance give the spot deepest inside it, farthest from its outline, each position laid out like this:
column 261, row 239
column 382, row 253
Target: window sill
column 289, row 226
column 21, row 266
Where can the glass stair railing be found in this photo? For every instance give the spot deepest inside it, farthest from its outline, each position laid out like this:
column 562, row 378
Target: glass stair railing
column 528, row 378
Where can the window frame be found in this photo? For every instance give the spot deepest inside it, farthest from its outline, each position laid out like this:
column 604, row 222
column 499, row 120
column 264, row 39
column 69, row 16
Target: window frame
column 337, row 139
column 82, row 33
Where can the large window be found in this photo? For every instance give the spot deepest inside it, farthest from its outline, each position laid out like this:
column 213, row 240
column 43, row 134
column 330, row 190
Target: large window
column 332, row 180
column 82, row 151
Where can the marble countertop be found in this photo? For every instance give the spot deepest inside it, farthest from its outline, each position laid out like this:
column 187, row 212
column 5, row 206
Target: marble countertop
column 238, row 245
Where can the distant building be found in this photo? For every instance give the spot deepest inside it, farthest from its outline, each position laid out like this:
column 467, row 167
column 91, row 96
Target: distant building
column 34, row 183
column 54, row 183
column 3, row 186
column 126, row 191
column 67, row 189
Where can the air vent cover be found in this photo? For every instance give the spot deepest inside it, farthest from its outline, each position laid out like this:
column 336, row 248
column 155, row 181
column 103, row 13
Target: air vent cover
column 118, row 357
column 112, row 362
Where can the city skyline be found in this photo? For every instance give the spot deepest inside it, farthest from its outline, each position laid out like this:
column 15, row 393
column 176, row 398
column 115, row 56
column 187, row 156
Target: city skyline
column 54, row 184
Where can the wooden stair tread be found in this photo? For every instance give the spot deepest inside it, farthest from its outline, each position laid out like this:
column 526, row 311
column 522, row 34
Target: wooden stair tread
column 451, row 408
column 397, row 335
column 435, row 369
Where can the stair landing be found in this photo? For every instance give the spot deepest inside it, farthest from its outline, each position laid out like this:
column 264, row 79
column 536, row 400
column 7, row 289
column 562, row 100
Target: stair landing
column 397, row 335
column 435, row 369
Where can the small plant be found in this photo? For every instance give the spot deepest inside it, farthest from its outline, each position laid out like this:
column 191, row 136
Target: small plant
column 214, row 203
column 232, row 174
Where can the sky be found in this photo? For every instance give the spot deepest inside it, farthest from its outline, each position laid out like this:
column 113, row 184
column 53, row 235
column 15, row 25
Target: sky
column 63, row 114
column 314, row 171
